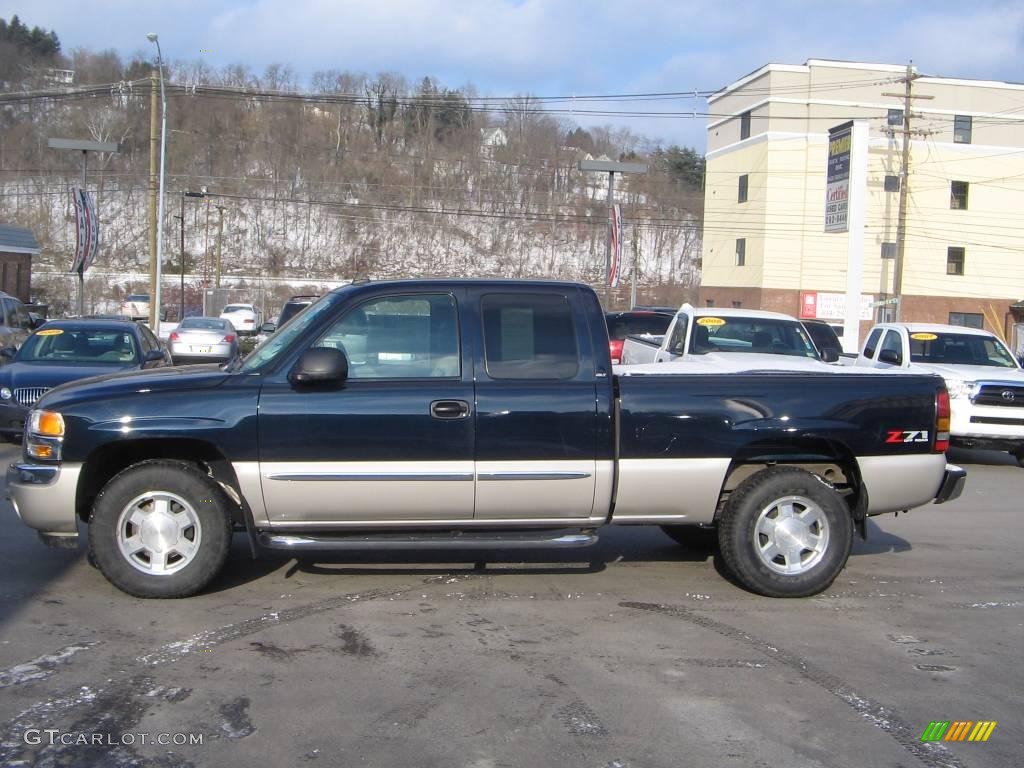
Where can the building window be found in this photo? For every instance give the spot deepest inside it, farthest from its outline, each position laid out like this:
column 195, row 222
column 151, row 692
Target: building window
column 737, row 305
column 741, row 251
column 955, row 261
column 743, row 188
column 967, row 319
column 962, row 129
column 745, row 125
column 894, row 118
column 958, row 195
column 889, row 250
column 892, row 183
column 709, row 302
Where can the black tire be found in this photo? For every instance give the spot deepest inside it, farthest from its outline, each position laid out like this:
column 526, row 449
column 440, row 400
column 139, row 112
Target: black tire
column 693, row 537
column 823, row 521
column 201, row 526
column 1019, row 456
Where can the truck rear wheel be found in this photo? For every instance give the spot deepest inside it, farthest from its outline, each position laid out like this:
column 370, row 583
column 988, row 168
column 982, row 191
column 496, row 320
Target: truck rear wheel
column 160, row 529
column 785, row 533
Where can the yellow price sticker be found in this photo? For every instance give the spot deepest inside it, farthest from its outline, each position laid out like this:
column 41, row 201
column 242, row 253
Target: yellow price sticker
column 923, row 336
column 50, row 332
column 710, row 322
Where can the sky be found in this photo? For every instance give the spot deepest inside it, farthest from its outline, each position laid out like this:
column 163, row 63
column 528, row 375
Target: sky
column 555, row 47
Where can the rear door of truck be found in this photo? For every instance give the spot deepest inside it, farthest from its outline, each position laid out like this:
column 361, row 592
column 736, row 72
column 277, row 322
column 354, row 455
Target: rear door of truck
column 542, row 402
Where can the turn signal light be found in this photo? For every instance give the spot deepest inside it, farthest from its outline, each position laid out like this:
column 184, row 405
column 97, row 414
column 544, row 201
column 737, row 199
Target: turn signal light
column 41, row 451
column 942, row 417
column 46, row 423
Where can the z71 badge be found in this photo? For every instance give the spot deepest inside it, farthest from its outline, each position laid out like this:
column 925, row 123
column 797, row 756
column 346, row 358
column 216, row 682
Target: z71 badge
column 907, row 436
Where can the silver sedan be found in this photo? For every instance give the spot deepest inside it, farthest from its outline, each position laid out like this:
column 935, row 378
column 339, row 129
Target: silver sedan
column 203, row 340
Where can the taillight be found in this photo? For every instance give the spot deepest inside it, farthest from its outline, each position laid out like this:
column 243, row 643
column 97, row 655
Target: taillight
column 942, row 416
column 174, row 336
column 229, row 338
column 247, row 322
column 615, row 347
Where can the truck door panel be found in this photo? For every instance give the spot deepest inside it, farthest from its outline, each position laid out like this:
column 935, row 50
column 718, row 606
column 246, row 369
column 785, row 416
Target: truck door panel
column 395, row 442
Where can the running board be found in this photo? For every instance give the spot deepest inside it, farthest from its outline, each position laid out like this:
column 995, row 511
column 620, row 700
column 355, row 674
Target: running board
column 427, row 540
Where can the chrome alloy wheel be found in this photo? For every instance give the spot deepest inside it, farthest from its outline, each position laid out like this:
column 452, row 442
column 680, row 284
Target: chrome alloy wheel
column 158, row 533
column 791, row 535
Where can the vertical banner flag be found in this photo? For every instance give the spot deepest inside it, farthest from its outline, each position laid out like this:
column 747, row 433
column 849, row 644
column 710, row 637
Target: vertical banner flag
column 87, row 231
column 837, row 180
column 616, row 262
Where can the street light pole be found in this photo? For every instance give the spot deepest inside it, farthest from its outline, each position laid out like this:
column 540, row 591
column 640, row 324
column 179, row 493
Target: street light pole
column 154, row 306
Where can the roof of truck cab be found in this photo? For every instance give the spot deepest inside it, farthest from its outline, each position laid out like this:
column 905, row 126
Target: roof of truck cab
column 463, row 281
column 936, row 328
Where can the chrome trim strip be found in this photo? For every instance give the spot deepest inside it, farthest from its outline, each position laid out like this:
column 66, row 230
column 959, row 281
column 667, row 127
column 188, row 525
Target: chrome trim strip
column 526, row 475
column 365, row 477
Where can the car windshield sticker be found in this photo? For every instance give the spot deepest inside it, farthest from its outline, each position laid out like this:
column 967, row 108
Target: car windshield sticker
column 710, row 322
column 50, row 332
column 923, row 336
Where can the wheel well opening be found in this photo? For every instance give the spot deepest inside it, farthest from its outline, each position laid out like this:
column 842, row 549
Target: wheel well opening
column 831, row 461
column 113, row 458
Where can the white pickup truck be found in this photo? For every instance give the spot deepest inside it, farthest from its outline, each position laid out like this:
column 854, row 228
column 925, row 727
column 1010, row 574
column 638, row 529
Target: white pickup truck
column 728, row 339
column 985, row 382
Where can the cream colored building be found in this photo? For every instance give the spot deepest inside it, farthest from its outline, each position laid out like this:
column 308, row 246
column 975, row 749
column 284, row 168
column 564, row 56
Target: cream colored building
column 764, row 206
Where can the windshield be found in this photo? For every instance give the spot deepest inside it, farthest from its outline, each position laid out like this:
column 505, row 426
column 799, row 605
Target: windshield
column 137, row 297
column 89, row 346
column 621, row 326
column 959, row 349
column 284, row 335
column 750, row 334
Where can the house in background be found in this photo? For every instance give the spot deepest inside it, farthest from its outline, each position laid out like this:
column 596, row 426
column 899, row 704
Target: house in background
column 17, row 247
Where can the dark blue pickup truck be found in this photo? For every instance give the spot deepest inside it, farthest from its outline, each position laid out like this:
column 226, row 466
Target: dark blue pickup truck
column 471, row 414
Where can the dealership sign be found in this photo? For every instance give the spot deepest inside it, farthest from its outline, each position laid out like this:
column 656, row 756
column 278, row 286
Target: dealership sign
column 815, row 305
column 837, row 179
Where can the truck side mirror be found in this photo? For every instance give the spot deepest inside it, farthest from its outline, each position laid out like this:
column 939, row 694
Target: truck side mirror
column 268, row 327
column 320, row 365
column 890, row 356
column 830, row 355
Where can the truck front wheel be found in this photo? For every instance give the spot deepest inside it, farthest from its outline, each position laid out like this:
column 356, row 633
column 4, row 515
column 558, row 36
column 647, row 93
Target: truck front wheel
column 785, row 533
column 160, row 529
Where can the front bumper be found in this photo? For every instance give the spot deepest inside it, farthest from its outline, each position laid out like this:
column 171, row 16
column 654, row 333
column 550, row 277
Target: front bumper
column 43, row 496
column 952, row 484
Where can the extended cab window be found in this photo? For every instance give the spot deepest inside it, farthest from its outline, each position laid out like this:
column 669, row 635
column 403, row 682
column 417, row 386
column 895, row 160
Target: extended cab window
column 529, row 337
column 399, row 337
column 872, row 343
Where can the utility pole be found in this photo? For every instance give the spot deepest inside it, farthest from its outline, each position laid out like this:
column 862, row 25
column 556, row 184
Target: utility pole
column 181, row 311
column 901, row 222
column 220, row 238
column 154, row 146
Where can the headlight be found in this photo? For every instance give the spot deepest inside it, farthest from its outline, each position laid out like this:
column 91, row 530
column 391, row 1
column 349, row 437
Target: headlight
column 6, row 393
column 46, row 424
column 959, row 388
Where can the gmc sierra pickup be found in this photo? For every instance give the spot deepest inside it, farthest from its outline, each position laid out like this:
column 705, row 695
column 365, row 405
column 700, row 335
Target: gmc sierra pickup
column 470, row 414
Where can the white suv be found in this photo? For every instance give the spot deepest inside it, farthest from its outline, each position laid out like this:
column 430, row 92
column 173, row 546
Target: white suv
column 245, row 317
column 985, row 382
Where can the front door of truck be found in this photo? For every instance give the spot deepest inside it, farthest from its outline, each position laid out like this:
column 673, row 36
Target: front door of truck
column 395, row 442
column 536, row 422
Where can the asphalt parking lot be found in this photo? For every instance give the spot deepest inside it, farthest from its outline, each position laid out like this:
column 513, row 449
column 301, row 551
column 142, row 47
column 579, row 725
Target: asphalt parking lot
column 633, row 653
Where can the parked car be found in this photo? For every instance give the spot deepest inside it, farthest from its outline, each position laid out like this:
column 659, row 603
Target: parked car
column 292, row 307
column 203, row 340
column 469, row 414
column 634, row 323
column 135, row 306
column 66, row 350
column 246, row 318
column 730, row 338
column 985, row 381
column 15, row 322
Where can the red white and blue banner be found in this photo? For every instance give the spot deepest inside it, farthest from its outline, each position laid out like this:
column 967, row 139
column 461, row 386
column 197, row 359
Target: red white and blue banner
column 616, row 239
column 87, row 231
